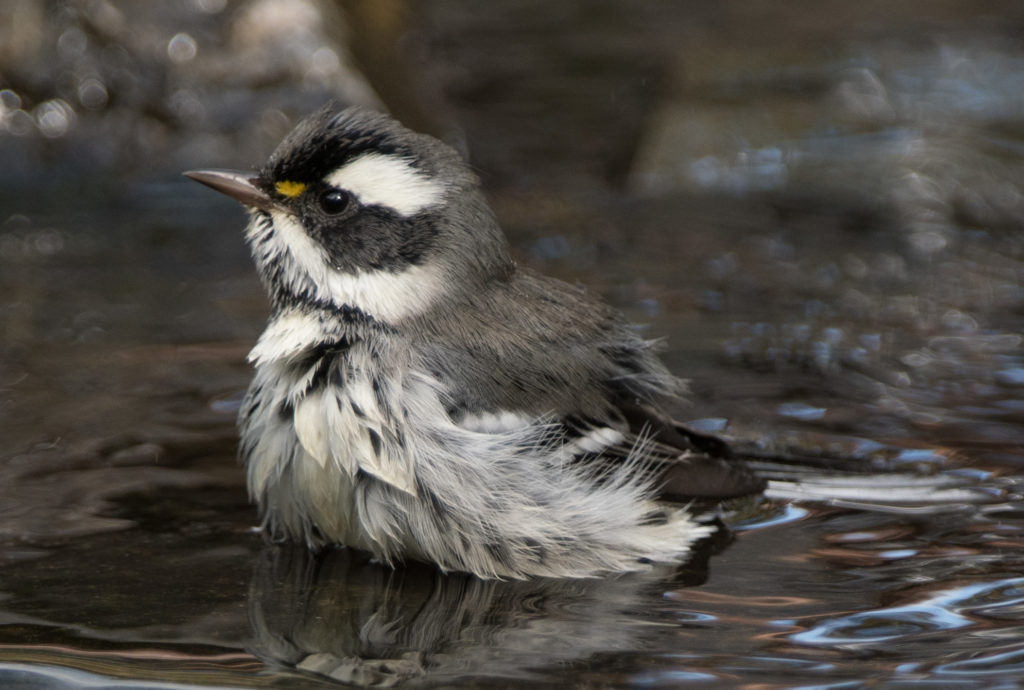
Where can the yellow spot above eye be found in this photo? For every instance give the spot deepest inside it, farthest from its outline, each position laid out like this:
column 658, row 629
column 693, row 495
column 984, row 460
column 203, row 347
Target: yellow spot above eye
column 289, row 189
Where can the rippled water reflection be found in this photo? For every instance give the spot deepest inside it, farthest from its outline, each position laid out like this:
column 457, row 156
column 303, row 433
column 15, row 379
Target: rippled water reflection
column 828, row 236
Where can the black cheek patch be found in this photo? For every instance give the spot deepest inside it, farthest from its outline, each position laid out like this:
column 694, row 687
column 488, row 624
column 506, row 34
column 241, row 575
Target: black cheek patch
column 420, row 238
column 376, row 239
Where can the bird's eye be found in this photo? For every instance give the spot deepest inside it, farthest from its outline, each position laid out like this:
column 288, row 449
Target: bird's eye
column 335, row 201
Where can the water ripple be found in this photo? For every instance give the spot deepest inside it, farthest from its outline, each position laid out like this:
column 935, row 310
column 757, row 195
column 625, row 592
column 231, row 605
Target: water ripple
column 942, row 611
column 1003, row 662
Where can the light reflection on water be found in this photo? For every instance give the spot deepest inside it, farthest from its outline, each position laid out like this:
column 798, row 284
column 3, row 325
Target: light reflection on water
column 778, row 514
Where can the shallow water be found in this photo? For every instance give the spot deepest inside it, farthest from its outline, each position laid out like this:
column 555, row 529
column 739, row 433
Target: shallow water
column 828, row 237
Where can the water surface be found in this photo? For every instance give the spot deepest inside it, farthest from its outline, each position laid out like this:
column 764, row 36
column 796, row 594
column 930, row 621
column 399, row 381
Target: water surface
column 819, row 212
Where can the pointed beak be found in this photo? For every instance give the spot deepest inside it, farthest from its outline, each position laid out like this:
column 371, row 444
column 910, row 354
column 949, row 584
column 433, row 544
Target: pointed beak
column 237, row 185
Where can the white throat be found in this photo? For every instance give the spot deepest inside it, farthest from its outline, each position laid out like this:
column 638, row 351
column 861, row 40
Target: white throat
column 386, row 296
column 289, row 334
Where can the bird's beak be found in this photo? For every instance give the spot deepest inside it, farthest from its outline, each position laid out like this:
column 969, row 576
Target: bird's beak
column 237, row 185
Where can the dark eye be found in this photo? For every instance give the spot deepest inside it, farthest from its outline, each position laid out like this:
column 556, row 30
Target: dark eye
column 335, row 201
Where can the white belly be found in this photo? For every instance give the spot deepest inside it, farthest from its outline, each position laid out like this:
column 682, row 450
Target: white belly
column 307, row 445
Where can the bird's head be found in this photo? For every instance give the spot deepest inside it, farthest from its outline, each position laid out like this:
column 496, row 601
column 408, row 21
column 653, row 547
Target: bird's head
column 355, row 211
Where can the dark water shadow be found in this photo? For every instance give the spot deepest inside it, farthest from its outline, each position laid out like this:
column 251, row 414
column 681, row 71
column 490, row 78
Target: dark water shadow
column 338, row 615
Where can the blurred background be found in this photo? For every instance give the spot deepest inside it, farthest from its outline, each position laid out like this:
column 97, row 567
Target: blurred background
column 817, row 204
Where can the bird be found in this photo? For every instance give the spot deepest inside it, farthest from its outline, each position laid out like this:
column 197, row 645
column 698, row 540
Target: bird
column 420, row 396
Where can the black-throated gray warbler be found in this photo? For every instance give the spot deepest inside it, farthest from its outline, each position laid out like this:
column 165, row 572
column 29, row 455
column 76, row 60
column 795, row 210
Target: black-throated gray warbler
column 418, row 395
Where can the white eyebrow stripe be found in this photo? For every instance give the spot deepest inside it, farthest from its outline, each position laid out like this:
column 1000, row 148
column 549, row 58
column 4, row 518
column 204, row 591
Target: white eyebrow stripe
column 392, row 181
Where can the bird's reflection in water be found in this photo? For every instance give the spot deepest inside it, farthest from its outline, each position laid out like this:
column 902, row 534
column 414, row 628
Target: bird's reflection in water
column 341, row 616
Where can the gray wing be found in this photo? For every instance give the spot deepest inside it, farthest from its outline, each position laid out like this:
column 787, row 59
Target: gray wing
column 535, row 346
